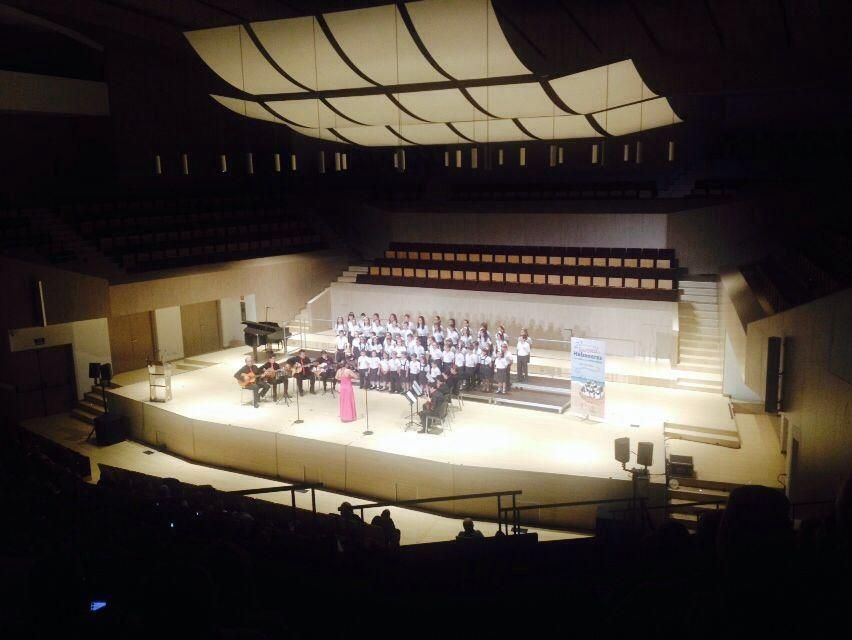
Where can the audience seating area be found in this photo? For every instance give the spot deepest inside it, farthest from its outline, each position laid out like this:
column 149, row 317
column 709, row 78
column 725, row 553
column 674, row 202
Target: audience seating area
column 642, row 274
column 145, row 235
column 561, row 191
column 19, row 237
column 165, row 555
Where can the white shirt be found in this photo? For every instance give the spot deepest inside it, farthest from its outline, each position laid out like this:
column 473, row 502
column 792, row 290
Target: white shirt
column 485, row 361
column 378, row 328
column 422, row 332
column 448, row 356
column 460, row 359
column 374, row 362
column 524, row 345
column 435, row 353
column 394, row 330
column 434, row 372
column 414, row 367
column 501, row 362
column 438, row 334
column 385, row 365
column 453, row 335
column 394, row 364
column 470, row 360
column 342, row 342
column 338, row 327
column 351, row 327
column 363, row 362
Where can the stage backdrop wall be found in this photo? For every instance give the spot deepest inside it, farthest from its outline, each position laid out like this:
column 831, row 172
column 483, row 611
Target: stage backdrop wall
column 817, row 389
column 284, row 283
column 630, row 327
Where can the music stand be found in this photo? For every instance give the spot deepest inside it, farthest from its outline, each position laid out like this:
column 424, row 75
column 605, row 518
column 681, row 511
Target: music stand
column 286, row 397
column 412, row 400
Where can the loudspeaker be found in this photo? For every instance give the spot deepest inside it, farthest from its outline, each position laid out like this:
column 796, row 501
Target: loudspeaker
column 106, row 372
column 772, row 402
column 622, row 450
column 110, row 428
column 645, row 454
column 94, row 370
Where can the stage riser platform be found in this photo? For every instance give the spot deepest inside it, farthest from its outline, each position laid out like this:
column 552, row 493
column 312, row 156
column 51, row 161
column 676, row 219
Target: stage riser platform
column 376, row 474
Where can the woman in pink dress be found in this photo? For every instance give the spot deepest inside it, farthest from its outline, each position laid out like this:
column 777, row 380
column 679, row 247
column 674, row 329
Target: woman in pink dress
column 347, row 395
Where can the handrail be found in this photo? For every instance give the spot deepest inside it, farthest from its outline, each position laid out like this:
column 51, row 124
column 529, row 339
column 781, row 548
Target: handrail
column 292, row 488
column 464, row 496
column 516, row 511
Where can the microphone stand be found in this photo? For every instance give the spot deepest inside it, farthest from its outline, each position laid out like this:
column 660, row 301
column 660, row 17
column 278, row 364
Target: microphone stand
column 367, row 431
column 298, row 419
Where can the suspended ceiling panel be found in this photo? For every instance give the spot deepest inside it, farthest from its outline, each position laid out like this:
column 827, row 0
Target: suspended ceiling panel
column 465, row 38
column 361, row 74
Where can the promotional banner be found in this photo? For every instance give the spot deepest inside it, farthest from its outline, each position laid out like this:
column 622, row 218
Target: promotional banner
column 588, row 379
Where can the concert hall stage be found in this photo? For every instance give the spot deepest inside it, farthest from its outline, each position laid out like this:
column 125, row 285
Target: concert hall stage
column 552, row 457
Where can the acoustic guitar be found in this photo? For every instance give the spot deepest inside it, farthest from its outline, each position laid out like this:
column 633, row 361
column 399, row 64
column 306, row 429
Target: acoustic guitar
column 247, row 379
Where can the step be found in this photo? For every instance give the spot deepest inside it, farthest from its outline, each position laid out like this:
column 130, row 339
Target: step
column 90, row 407
column 701, row 429
column 344, row 278
column 691, row 366
column 699, row 351
column 699, row 284
column 688, row 312
column 358, row 268
column 94, row 397
column 682, row 506
column 698, row 306
column 689, row 520
column 710, row 294
column 692, row 297
column 699, row 385
column 700, row 341
column 696, row 494
column 718, row 439
column 706, row 358
column 84, row 416
column 351, row 274
column 698, row 331
column 687, row 321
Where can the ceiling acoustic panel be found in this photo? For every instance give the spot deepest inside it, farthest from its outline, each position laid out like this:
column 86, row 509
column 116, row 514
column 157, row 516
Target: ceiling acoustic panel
column 465, row 38
column 424, row 72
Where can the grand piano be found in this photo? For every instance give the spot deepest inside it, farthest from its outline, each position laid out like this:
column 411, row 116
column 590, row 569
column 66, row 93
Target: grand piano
column 259, row 334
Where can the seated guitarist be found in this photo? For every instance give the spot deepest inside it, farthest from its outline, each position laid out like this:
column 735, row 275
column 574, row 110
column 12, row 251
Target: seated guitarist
column 305, row 373
column 251, row 377
column 273, row 366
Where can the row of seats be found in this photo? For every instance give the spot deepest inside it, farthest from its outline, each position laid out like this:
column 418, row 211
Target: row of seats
column 539, row 255
column 161, row 233
column 579, row 190
column 207, row 253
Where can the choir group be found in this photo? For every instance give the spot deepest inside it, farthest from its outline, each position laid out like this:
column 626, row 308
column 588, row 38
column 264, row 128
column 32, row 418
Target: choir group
column 389, row 356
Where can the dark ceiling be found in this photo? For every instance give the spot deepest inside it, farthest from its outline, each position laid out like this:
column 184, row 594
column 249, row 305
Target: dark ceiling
column 689, row 47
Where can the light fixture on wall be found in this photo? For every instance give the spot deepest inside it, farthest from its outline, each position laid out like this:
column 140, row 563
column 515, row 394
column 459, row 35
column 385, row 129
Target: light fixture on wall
column 158, row 165
column 223, row 163
column 184, row 163
column 250, row 163
column 276, row 162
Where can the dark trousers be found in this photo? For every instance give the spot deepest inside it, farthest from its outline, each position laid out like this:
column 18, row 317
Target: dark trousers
column 362, row 378
column 326, row 378
column 259, row 389
column 424, row 341
column 303, row 376
column 285, row 383
column 394, row 380
column 523, row 363
column 341, row 355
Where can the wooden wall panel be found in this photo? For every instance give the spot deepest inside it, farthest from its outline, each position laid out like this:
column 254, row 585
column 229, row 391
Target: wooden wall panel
column 131, row 341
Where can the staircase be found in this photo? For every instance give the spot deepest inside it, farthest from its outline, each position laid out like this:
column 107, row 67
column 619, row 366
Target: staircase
column 695, row 490
column 700, row 344
column 303, row 318
column 90, row 407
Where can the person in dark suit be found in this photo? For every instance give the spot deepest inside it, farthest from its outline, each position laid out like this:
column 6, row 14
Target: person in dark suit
column 307, row 372
column 327, row 367
column 260, row 387
column 271, row 364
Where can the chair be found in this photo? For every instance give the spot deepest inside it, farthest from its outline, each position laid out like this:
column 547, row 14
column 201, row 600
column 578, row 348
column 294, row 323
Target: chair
column 441, row 418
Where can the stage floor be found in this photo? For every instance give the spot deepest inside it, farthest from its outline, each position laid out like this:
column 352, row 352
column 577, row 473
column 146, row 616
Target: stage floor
column 483, row 435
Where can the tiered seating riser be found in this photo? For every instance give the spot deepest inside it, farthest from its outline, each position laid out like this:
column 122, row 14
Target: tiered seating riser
column 664, row 295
